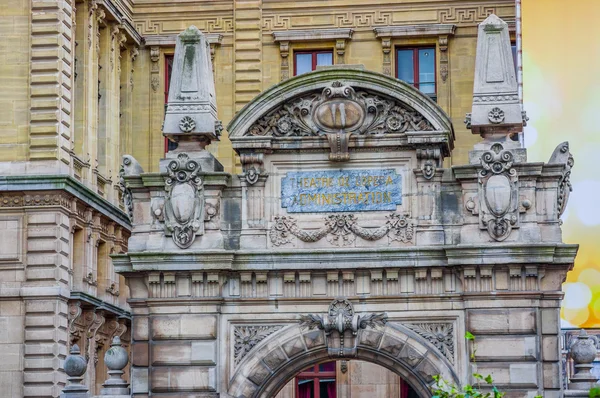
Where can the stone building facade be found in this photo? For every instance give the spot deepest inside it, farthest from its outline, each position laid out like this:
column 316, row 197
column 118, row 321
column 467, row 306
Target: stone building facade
column 85, row 82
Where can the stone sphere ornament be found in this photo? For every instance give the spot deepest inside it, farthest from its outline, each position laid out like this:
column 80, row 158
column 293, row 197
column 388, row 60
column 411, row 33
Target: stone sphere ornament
column 116, row 357
column 75, row 365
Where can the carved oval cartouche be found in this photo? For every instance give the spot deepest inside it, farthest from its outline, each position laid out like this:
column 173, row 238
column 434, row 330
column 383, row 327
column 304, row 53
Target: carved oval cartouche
column 339, row 114
column 497, row 194
column 182, row 201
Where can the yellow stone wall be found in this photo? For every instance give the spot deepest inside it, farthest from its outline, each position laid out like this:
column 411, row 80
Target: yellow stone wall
column 248, row 60
column 15, row 46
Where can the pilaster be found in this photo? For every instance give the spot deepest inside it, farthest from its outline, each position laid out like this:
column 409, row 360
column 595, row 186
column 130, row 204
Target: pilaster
column 248, row 51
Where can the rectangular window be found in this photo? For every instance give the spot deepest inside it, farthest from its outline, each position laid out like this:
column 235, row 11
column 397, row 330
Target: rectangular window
column 318, row 381
column 307, row 61
column 416, row 66
column 169, row 146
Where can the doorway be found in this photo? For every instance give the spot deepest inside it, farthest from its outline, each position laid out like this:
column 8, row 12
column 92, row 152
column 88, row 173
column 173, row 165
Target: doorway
column 347, row 379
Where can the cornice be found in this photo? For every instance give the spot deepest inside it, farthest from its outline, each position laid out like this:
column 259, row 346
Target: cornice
column 170, row 40
column 313, row 34
column 328, row 259
column 420, row 30
column 68, row 184
column 99, row 304
column 116, row 13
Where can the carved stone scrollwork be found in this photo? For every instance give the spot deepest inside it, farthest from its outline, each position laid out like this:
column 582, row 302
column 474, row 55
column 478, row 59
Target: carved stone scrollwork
column 441, row 335
column 75, row 332
column 430, row 158
column 340, row 318
column 337, row 112
column 342, row 229
column 562, row 155
column 252, row 165
column 184, row 205
column 126, row 195
column 498, row 193
column 247, row 337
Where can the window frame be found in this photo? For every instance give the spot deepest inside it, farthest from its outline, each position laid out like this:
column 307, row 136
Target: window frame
column 316, row 375
column 314, row 57
column 168, row 57
column 417, row 82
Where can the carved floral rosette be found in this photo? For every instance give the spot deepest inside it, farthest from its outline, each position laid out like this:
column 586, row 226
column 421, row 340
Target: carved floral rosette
column 337, row 112
column 184, row 204
column 498, row 193
column 342, row 230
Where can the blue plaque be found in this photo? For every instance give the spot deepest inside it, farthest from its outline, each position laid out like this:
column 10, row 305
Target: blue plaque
column 341, row 190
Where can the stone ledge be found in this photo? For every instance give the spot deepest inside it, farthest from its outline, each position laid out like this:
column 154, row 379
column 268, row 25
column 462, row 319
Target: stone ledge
column 96, row 302
column 375, row 258
column 420, row 30
column 68, row 184
column 313, row 34
column 169, row 40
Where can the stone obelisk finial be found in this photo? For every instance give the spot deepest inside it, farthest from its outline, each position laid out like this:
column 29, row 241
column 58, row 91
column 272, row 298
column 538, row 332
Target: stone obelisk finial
column 191, row 116
column 497, row 113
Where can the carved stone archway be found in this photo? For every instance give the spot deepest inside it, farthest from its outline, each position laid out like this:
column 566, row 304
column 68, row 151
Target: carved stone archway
column 272, row 363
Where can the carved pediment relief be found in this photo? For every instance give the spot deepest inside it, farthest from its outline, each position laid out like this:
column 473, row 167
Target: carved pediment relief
column 339, row 108
column 337, row 112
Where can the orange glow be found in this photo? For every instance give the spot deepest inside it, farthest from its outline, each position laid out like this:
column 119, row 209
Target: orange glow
column 561, row 94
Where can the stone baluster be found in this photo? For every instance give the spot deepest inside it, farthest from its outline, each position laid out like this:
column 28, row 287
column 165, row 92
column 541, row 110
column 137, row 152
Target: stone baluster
column 116, row 359
column 583, row 352
column 75, row 367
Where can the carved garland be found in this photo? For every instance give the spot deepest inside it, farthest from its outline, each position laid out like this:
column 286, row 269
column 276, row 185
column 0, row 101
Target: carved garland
column 342, row 229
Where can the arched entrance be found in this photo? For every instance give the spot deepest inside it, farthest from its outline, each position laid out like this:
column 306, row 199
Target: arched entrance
column 347, row 378
column 286, row 353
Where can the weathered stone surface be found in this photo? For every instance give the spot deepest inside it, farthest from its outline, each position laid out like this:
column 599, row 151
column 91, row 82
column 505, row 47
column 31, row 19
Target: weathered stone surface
column 183, row 326
column 185, row 379
column 516, row 321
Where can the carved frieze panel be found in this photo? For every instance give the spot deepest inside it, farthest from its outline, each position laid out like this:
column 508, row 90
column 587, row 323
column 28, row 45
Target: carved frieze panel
column 342, row 230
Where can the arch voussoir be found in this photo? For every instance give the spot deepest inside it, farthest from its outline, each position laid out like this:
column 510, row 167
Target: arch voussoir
column 287, row 352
